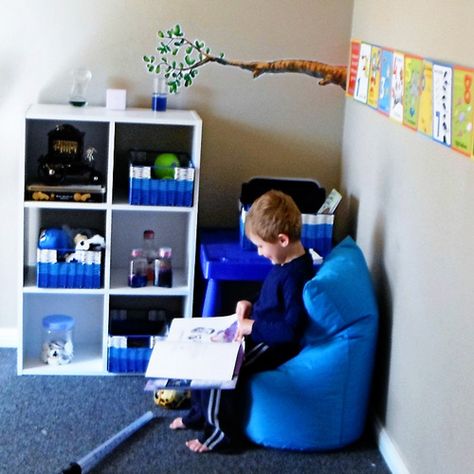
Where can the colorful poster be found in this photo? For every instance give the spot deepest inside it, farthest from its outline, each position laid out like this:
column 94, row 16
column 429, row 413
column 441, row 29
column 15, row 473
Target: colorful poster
column 412, row 90
column 425, row 112
column 362, row 79
column 353, row 64
column 385, row 81
column 396, row 88
column 374, row 77
column 442, row 89
column 463, row 95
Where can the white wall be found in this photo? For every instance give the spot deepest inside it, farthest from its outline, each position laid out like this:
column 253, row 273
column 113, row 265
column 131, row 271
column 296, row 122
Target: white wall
column 410, row 203
column 283, row 125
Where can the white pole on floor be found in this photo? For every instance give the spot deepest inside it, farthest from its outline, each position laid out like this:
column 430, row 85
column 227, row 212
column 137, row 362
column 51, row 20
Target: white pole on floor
column 86, row 463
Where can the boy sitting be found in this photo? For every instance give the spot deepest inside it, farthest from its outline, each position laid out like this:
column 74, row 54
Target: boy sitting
column 273, row 326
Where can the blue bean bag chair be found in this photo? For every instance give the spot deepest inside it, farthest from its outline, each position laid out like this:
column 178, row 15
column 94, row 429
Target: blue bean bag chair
column 318, row 400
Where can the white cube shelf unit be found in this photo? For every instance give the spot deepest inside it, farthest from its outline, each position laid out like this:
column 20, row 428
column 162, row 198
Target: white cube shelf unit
column 113, row 134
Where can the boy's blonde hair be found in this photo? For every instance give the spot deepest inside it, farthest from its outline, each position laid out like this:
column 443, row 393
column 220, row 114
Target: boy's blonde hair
column 272, row 214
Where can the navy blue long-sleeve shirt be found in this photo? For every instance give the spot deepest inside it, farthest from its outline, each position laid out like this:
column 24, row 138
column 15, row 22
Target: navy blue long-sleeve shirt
column 279, row 312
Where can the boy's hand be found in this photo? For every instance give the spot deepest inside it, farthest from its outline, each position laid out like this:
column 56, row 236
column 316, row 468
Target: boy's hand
column 244, row 324
column 244, row 328
column 243, row 309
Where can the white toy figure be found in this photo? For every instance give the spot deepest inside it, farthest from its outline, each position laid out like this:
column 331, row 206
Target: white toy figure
column 96, row 242
column 82, row 242
column 57, row 352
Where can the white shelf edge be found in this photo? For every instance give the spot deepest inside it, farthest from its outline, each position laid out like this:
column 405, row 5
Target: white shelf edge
column 70, row 291
column 80, row 365
column 118, row 285
column 149, row 291
column 84, row 206
column 134, row 208
column 102, row 114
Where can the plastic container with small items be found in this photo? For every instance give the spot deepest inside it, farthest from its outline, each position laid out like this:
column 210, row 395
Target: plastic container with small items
column 58, row 347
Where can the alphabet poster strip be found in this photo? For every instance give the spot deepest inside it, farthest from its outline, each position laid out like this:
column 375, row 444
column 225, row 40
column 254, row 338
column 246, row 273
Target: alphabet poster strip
column 374, row 77
column 362, row 80
column 425, row 114
column 463, row 95
column 412, row 90
column 396, row 91
column 353, row 66
column 385, row 81
column 428, row 96
column 442, row 86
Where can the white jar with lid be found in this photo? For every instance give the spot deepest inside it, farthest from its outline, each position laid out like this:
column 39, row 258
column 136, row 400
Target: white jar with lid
column 57, row 348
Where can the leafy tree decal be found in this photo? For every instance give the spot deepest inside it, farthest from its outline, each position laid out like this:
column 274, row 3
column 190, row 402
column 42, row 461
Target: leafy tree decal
column 179, row 60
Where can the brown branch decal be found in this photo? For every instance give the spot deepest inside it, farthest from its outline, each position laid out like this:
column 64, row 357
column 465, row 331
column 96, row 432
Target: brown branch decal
column 327, row 73
column 179, row 60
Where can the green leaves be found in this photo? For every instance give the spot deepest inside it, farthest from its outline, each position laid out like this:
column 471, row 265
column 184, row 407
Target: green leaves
column 178, row 58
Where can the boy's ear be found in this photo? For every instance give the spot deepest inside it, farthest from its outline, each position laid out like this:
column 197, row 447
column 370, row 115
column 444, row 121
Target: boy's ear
column 283, row 240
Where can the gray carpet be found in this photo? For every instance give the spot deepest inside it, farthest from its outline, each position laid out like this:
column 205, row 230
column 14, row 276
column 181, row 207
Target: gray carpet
column 47, row 422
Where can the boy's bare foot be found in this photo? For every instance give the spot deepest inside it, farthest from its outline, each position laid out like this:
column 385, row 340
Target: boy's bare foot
column 177, row 424
column 196, row 446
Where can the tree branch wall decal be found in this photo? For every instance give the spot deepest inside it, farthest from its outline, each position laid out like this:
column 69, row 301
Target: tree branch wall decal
column 180, row 58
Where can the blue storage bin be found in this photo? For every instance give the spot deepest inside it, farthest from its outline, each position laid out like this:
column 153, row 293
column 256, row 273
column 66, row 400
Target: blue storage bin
column 129, row 354
column 316, row 232
column 53, row 271
column 146, row 190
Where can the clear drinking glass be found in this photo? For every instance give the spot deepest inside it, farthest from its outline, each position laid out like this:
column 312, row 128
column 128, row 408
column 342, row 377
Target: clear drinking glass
column 80, row 80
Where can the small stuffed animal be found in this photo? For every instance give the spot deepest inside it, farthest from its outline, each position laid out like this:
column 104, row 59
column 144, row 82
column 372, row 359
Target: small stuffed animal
column 82, row 242
column 171, row 398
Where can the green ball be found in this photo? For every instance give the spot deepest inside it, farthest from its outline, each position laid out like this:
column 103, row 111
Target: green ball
column 164, row 165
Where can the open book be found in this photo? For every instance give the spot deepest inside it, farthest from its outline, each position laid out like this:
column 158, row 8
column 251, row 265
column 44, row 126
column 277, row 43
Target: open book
column 198, row 353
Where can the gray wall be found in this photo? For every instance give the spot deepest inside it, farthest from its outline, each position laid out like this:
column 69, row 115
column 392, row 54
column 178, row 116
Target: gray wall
column 282, row 125
column 410, row 203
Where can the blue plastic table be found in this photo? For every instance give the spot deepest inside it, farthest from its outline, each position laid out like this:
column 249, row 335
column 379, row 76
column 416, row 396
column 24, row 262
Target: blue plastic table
column 223, row 258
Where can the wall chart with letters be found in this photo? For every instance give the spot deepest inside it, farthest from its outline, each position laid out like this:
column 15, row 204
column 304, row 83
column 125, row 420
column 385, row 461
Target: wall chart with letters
column 429, row 96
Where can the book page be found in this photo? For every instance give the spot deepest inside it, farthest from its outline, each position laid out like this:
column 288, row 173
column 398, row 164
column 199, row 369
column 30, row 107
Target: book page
column 197, row 349
column 215, row 329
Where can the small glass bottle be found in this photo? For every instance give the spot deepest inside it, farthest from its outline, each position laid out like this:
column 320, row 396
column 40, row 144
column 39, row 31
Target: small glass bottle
column 137, row 276
column 80, row 81
column 150, row 253
column 163, row 268
column 58, row 348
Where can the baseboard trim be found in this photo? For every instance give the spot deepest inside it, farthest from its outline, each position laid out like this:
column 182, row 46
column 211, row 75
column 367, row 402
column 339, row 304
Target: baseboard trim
column 8, row 337
column 389, row 450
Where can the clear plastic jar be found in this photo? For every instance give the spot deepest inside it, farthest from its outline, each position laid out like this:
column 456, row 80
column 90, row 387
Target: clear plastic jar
column 58, row 347
column 163, row 268
column 137, row 276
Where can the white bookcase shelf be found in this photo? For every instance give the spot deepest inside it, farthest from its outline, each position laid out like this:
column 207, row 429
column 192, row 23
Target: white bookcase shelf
column 112, row 134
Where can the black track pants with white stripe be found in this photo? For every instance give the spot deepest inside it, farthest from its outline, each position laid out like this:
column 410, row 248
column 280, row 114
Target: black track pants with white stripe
column 221, row 412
